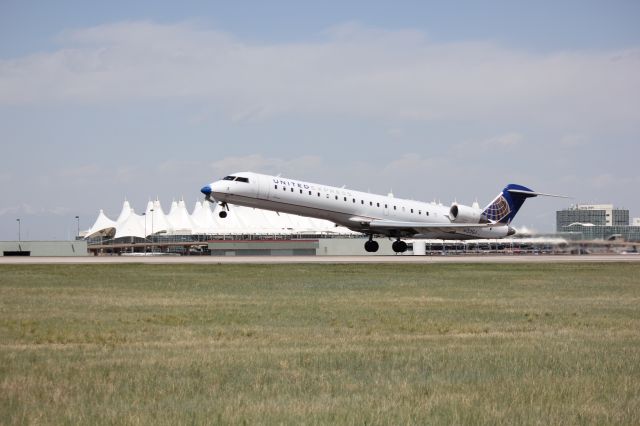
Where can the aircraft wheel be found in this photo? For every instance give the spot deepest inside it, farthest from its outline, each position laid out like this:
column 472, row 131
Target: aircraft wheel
column 399, row 246
column 222, row 214
column 371, row 246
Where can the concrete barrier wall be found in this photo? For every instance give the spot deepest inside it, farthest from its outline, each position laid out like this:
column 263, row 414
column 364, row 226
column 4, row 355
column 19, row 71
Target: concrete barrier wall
column 264, row 248
column 354, row 247
column 44, row 248
column 320, row 247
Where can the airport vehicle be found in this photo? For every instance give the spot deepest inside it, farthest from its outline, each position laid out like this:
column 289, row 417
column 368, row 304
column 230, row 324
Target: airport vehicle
column 368, row 213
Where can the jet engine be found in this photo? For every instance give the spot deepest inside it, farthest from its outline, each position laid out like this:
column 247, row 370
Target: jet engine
column 465, row 214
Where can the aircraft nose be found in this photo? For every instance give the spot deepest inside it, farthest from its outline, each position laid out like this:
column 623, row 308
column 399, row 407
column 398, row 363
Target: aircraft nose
column 206, row 190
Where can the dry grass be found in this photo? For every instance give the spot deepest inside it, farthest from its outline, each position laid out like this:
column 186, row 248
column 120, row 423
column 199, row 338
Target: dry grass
column 318, row 344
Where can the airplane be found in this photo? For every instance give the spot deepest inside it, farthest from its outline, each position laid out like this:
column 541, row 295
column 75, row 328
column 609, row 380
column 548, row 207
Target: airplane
column 371, row 214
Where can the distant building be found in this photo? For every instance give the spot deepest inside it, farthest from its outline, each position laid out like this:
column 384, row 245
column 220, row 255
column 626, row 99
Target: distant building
column 598, row 222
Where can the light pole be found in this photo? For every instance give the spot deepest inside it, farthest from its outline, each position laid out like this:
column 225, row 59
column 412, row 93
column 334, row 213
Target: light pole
column 18, row 220
column 78, row 234
column 145, row 232
column 152, row 230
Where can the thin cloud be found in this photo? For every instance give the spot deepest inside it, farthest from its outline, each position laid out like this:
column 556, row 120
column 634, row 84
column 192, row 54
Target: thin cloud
column 31, row 210
column 610, row 180
column 10, row 210
column 574, row 141
column 81, row 172
column 508, row 142
column 414, row 164
column 354, row 71
column 505, row 141
column 295, row 167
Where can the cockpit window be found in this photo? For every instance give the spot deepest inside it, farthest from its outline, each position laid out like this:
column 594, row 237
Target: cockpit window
column 237, row 179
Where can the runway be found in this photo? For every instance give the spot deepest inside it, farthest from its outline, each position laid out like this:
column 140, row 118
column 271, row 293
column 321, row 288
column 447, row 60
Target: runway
column 7, row 260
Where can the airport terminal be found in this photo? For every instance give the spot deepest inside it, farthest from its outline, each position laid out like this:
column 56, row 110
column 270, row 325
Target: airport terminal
column 597, row 222
column 580, row 229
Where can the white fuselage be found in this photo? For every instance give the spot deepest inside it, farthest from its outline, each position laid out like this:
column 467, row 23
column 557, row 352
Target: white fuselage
column 346, row 207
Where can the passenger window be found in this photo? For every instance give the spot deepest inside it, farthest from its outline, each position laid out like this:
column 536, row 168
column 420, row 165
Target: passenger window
column 411, row 210
column 345, row 198
column 336, row 197
column 378, row 204
column 318, row 194
column 309, row 192
column 419, row 211
column 371, row 203
column 427, row 213
column 394, row 207
column 284, row 188
column 385, row 206
column 291, row 189
column 361, row 201
column 354, row 200
column 301, row 191
column 275, row 186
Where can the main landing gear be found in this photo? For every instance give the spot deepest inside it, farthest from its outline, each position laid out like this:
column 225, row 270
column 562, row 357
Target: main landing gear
column 371, row 246
column 223, row 213
column 399, row 246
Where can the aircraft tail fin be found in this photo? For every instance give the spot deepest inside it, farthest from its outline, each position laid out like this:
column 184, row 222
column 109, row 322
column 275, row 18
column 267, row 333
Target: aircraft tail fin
column 505, row 206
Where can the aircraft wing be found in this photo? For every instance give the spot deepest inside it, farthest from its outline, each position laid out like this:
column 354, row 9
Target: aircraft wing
column 422, row 227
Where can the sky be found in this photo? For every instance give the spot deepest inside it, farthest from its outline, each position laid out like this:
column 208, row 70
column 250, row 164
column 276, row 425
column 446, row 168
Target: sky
column 431, row 100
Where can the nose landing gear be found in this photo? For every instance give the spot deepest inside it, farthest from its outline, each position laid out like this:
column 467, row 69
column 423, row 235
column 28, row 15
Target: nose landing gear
column 223, row 213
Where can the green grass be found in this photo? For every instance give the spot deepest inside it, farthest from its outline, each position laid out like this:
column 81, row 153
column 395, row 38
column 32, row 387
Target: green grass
column 320, row 344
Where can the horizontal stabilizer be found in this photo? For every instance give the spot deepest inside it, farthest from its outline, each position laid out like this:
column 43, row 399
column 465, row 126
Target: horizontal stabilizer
column 534, row 194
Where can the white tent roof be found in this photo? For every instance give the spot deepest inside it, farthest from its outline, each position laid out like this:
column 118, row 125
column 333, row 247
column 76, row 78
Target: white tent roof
column 125, row 212
column 233, row 223
column 131, row 226
column 266, row 221
column 157, row 222
column 239, row 220
column 103, row 226
column 179, row 219
column 202, row 218
column 197, row 216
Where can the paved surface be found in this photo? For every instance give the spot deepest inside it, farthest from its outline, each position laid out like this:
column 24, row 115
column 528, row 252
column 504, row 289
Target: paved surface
column 318, row 259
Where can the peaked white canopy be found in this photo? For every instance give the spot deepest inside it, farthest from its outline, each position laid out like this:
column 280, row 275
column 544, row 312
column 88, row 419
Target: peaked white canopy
column 179, row 219
column 205, row 221
column 131, row 226
column 102, row 227
column 156, row 220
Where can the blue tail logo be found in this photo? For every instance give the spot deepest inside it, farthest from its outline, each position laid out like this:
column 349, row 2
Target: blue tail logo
column 506, row 205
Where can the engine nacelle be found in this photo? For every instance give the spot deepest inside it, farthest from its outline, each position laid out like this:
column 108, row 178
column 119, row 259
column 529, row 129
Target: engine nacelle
column 465, row 214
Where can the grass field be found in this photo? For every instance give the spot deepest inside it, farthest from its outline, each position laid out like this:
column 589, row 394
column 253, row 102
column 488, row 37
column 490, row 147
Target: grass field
column 347, row 344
